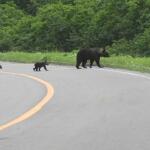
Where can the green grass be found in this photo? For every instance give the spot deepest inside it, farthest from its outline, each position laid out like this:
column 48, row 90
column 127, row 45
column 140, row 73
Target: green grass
column 54, row 57
column 141, row 64
column 127, row 62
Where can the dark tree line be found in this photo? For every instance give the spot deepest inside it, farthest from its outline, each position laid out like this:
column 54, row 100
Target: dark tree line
column 45, row 25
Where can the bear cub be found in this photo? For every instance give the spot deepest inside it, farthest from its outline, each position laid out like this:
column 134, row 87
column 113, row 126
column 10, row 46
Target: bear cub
column 39, row 65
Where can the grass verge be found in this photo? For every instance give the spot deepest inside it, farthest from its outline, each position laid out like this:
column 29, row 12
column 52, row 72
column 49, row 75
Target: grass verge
column 141, row 64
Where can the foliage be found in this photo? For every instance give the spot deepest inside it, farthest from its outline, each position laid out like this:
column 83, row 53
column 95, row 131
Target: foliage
column 45, row 25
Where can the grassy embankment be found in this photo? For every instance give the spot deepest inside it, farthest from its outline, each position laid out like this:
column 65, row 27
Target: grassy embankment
column 126, row 62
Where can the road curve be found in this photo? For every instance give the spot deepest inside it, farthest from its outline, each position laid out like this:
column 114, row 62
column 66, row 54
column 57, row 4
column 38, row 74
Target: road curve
column 92, row 109
column 34, row 109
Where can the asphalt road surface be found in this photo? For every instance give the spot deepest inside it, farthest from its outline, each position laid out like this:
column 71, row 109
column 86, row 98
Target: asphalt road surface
column 92, row 109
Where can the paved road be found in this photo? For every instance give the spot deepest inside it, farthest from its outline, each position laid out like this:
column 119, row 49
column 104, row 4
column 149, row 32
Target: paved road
column 92, row 109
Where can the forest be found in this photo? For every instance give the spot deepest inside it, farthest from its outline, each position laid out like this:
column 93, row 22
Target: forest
column 122, row 26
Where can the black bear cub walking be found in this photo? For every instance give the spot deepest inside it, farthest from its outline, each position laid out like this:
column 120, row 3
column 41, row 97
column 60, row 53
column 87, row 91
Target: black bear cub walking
column 39, row 65
column 92, row 54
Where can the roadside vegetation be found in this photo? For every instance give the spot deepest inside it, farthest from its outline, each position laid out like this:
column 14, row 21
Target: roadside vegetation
column 141, row 64
column 35, row 28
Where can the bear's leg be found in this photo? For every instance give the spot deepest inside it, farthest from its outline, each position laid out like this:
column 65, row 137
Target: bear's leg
column 98, row 62
column 36, row 68
column 91, row 62
column 45, row 68
column 84, row 63
column 78, row 64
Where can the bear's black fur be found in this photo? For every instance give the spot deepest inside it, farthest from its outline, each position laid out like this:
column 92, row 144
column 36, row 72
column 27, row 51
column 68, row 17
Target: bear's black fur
column 39, row 65
column 0, row 66
column 92, row 54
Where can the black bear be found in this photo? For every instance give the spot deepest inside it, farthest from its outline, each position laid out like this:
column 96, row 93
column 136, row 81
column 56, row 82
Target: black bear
column 39, row 65
column 92, row 54
column 0, row 66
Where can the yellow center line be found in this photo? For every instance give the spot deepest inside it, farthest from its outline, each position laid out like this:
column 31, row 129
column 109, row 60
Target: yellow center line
column 36, row 108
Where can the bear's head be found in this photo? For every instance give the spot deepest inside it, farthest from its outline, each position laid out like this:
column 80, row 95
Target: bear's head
column 104, row 53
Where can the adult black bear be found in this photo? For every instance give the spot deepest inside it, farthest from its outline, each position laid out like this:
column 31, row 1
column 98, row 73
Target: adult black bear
column 39, row 65
column 92, row 54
